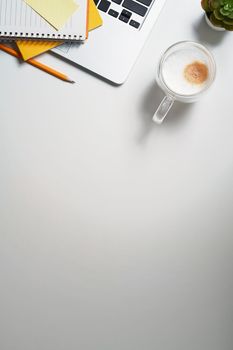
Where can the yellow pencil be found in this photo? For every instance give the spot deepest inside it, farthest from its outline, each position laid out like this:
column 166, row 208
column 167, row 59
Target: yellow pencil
column 37, row 64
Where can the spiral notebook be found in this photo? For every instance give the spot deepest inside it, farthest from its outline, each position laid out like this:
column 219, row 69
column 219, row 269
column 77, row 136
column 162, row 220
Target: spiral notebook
column 19, row 21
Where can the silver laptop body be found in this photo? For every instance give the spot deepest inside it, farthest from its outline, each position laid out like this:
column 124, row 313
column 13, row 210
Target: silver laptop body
column 112, row 49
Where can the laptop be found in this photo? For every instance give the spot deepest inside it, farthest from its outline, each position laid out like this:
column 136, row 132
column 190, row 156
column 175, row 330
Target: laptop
column 112, row 49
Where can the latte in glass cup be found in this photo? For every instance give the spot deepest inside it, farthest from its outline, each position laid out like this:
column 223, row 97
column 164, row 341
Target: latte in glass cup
column 185, row 72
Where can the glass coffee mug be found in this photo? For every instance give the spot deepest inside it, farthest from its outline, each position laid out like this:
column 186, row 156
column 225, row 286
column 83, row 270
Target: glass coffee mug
column 185, row 72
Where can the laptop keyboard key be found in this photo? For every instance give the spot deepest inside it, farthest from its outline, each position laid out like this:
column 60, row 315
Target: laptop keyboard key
column 124, row 19
column 113, row 13
column 104, row 5
column 117, row 1
column 134, row 24
column 126, row 13
column 145, row 2
column 134, row 7
column 96, row 2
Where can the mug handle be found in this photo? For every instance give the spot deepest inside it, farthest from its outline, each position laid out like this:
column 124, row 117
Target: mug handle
column 163, row 109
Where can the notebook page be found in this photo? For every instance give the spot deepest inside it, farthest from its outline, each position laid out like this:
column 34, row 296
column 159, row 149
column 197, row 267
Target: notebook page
column 18, row 20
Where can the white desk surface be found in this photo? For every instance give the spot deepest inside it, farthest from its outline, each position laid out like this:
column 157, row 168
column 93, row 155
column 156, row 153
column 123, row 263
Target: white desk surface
column 116, row 233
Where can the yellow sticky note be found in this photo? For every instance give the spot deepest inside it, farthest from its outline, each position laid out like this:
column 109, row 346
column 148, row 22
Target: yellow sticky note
column 55, row 12
column 31, row 48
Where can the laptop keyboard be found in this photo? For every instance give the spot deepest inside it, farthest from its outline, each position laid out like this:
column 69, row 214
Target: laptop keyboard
column 128, row 11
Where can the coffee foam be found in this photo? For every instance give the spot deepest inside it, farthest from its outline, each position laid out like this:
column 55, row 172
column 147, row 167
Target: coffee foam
column 186, row 71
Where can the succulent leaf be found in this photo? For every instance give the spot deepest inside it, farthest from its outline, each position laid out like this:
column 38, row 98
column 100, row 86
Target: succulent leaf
column 214, row 4
column 228, row 21
column 224, row 12
column 215, row 21
column 228, row 27
column 218, row 15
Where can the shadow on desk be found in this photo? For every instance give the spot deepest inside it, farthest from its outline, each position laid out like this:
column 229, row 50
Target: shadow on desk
column 207, row 35
column 76, row 65
column 151, row 100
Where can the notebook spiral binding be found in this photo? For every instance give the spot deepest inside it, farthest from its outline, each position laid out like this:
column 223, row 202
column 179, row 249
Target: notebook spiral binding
column 34, row 36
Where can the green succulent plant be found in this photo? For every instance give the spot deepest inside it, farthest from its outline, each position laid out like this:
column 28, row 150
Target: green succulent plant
column 219, row 12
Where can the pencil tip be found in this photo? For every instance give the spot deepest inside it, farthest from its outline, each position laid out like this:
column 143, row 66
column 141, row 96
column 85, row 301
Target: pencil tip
column 72, row 81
